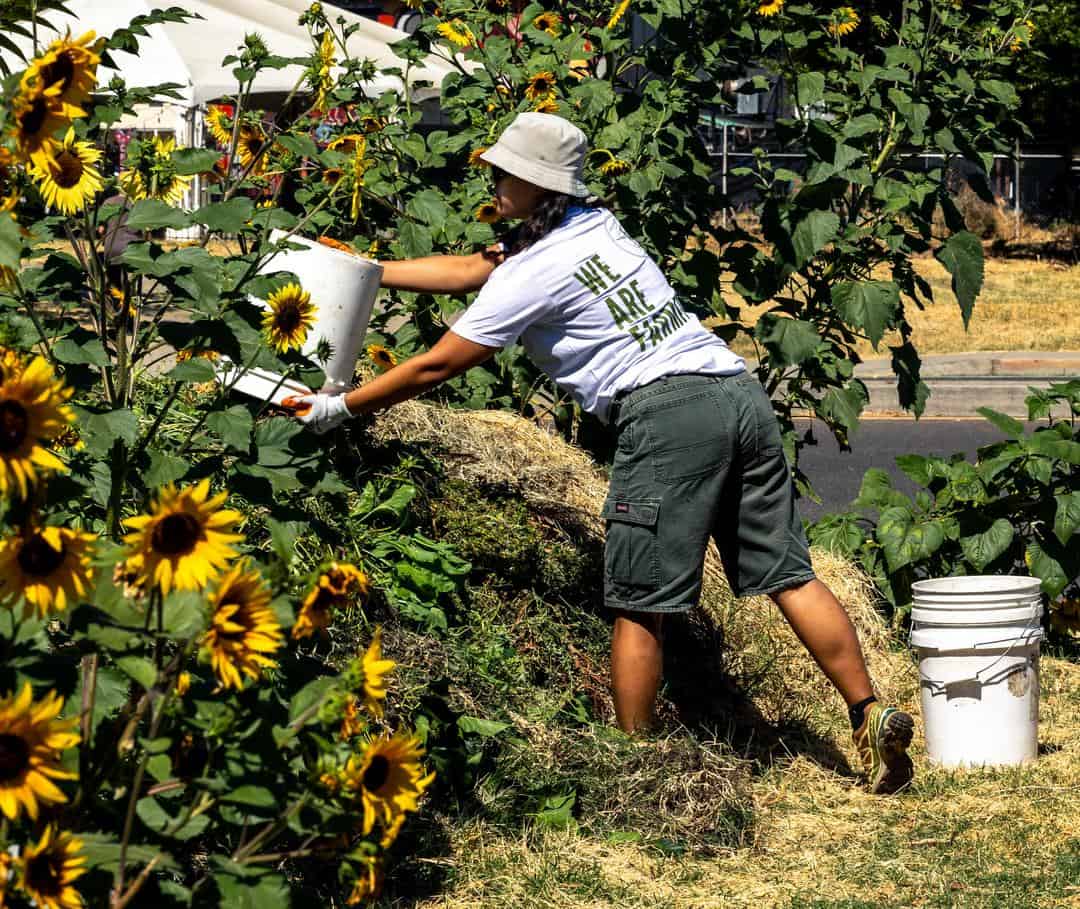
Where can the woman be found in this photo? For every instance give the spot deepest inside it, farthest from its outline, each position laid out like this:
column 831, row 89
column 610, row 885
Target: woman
column 698, row 449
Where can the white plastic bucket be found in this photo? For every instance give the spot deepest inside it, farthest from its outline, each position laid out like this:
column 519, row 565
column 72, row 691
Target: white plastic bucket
column 977, row 643
column 343, row 288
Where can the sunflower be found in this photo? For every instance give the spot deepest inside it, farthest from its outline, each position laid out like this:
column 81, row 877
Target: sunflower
column 546, row 105
column 69, row 180
column 540, row 85
column 348, row 144
column 321, row 74
column 11, row 364
column 474, row 157
column 618, row 13
column 36, row 113
column 488, row 213
column 196, row 353
column 360, row 164
column 456, row 32
column 219, row 123
column 288, row 317
column 386, row 778
column 374, row 669
column 32, row 412
column 548, row 22
column 9, row 190
column 69, row 66
column 50, row 868
column 1019, row 39
column 48, row 566
column 770, row 7
column 31, row 739
column 243, row 629
column 331, row 175
column 844, row 21
column 381, row 356
column 248, row 144
column 369, row 882
column 183, row 684
column 185, row 540
column 372, row 124
column 613, row 167
column 152, row 174
column 391, row 831
column 337, row 586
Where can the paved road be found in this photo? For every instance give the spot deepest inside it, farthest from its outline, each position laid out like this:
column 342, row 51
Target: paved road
column 837, row 476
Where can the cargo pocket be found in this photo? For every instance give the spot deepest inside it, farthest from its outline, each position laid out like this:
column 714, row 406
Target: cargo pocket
column 631, row 553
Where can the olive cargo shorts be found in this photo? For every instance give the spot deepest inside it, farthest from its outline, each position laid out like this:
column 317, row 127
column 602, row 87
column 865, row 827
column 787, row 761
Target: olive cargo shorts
column 698, row 456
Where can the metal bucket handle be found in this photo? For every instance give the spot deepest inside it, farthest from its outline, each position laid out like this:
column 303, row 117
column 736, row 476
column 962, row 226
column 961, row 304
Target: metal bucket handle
column 1024, row 639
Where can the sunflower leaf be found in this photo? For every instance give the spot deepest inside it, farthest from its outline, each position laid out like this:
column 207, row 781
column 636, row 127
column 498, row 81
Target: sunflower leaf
column 151, row 214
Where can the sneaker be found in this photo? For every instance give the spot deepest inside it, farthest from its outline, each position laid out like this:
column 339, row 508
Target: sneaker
column 883, row 740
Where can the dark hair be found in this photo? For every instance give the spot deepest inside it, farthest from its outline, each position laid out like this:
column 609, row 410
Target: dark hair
column 549, row 213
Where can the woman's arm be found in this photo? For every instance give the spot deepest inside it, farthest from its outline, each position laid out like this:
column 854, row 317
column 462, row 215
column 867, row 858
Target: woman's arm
column 442, row 274
column 451, row 356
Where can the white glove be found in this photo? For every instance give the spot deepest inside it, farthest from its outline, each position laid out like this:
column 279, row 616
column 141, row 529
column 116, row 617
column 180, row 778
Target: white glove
column 319, row 412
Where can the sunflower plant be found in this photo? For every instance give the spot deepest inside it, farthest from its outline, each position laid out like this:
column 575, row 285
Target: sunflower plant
column 181, row 720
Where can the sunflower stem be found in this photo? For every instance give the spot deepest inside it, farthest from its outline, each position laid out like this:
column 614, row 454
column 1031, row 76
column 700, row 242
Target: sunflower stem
column 272, row 827
column 86, row 715
column 118, row 469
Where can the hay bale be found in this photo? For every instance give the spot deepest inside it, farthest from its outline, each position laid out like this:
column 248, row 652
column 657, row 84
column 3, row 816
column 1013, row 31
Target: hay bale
column 761, row 655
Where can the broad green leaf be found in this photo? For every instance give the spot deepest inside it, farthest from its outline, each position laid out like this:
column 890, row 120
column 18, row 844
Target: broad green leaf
column 312, row 693
column 140, row 669
column 103, row 852
column 1067, row 516
column 982, row 548
column 196, row 370
column 100, row 430
column 195, row 160
column 844, row 405
column 877, row 491
column 1047, row 569
column 160, row 821
column 839, row 533
column 233, row 426
column 11, row 244
column 300, row 145
column 911, row 390
column 813, row 233
column 868, row 306
column 428, row 206
column 164, row 468
column 557, row 811
column 790, row 341
column 227, row 217
column 811, row 88
column 251, row 796
column 475, row 725
column 283, row 536
column 965, row 483
column 962, row 256
column 262, row 892
column 1051, row 445
column 152, row 214
column 1008, row 425
column 92, row 352
column 905, row 540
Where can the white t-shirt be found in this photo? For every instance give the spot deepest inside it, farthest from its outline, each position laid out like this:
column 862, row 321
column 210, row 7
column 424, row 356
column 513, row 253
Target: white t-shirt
column 594, row 312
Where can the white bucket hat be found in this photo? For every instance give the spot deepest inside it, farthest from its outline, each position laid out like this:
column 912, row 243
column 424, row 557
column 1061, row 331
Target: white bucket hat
column 543, row 149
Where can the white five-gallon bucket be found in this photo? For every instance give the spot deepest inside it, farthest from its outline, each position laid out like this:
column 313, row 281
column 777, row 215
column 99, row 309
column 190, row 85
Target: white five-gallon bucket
column 343, row 288
column 977, row 643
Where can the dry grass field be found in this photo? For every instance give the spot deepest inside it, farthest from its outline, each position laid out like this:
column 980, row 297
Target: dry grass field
column 1024, row 305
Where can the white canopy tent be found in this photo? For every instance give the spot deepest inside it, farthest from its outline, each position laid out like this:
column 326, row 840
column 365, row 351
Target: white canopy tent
column 190, row 54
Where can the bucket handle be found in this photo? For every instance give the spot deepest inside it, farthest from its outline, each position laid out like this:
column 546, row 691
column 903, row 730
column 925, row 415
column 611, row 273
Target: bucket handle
column 1024, row 638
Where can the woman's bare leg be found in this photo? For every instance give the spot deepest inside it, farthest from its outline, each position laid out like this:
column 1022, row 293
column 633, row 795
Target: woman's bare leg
column 823, row 626
column 637, row 662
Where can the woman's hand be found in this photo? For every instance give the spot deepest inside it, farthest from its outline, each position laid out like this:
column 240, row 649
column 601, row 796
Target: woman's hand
column 442, row 274
column 318, row 411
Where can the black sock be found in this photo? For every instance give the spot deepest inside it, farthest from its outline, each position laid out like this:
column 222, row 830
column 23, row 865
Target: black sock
column 856, row 712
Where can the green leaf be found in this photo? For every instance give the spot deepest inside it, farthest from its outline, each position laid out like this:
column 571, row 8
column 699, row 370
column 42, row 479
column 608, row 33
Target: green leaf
column 300, row 145
column 1047, row 569
column 253, row 892
column 811, row 88
column 197, row 370
column 283, row 536
column 557, row 811
column 227, row 217
column 1008, row 425
column 813, row 233
column 962, row 256
column 428, row 206
column 876, row 491
column 92, row 352
column 839, row 533
column 904, row 540
column 100, row 430
column 844, row 405
column 159, row 820
column 11, row 244
column 164, row 468
column 312, row 693
column 103, row 852
column 1067, row 516
column 140, row 669
column 251, row 796
column 233, row 426
column 982, row 548
column 416, row 239
column 790, row 341
column 195, row 160
column 868, row 306
column 152, row 214
column 477, row 726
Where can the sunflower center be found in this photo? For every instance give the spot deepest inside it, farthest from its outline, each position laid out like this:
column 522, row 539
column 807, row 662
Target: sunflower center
column 541, row 85
column 34, row 118
column 14, row 756
column 61, row 70
column 45, row 874
column 176, row 534
column 36, row 557
column 377, row 773
column 13, row 425
column 288, row 319
column 68, row 171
